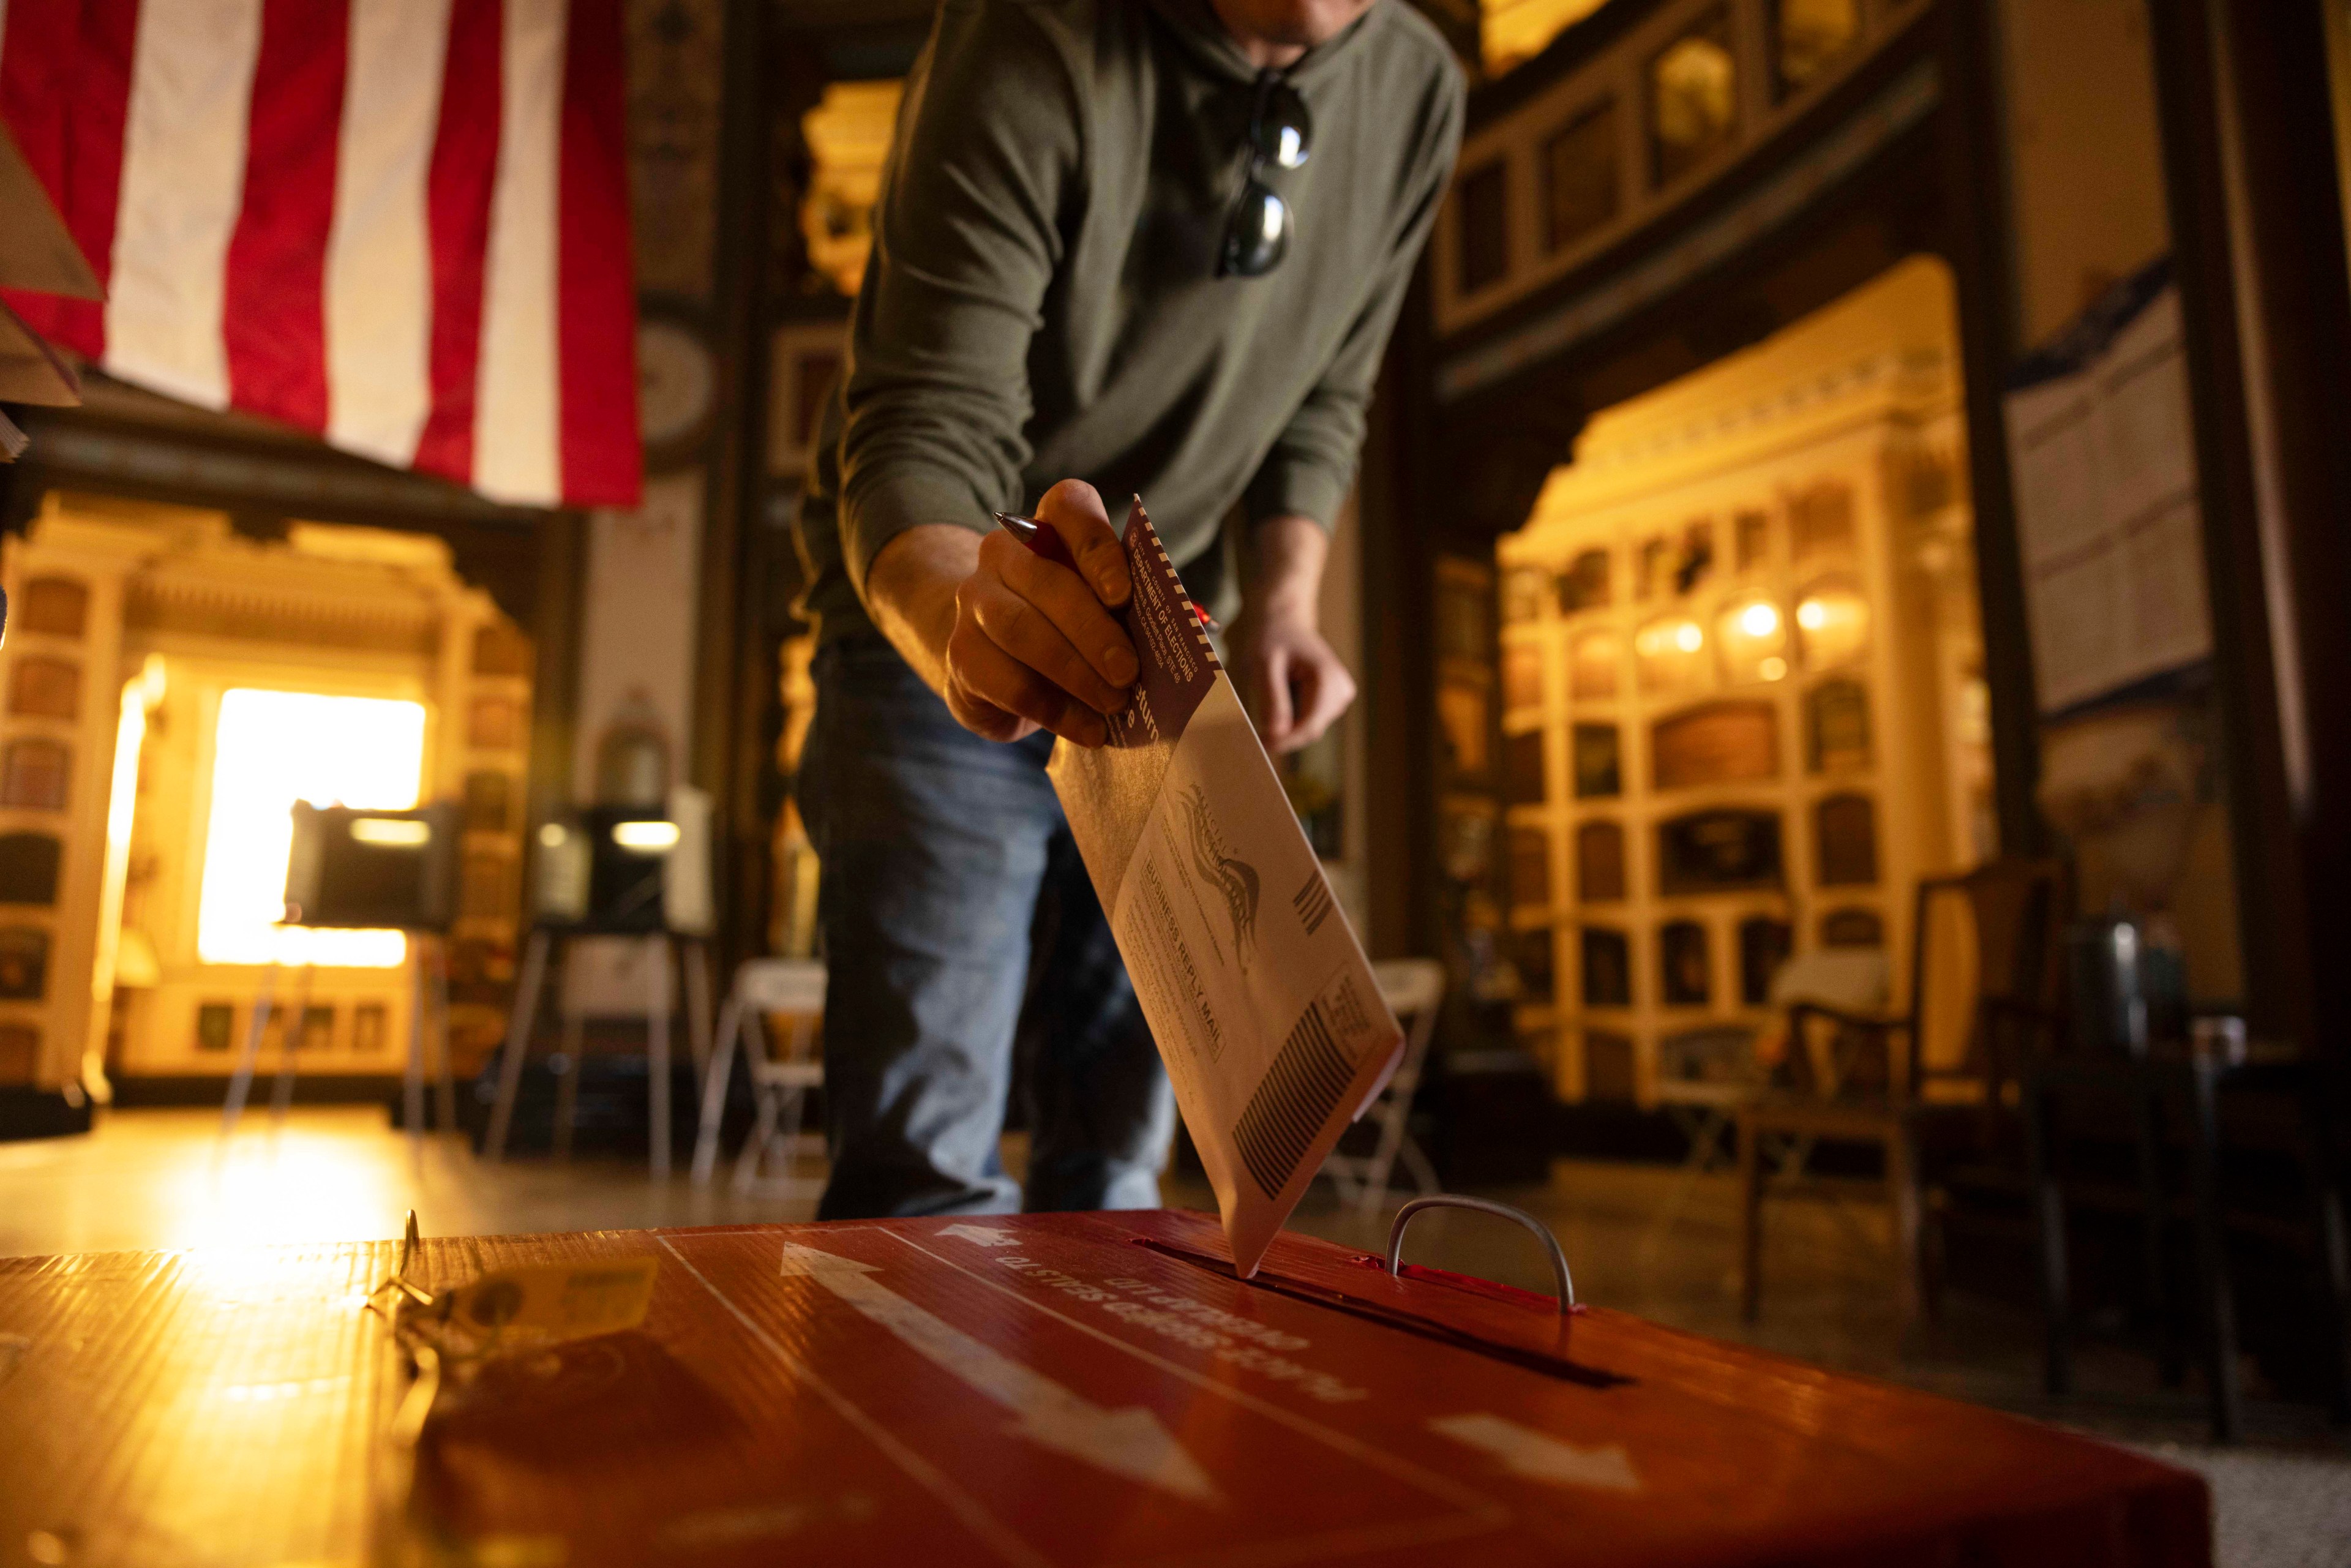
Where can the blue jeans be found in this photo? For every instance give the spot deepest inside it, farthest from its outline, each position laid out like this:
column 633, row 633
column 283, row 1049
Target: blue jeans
column 952, row 895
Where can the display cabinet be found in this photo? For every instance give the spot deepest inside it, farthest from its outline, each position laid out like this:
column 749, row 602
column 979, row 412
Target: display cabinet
column 1741, row 673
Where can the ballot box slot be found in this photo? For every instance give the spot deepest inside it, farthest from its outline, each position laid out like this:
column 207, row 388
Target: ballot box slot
column 1397, row 1318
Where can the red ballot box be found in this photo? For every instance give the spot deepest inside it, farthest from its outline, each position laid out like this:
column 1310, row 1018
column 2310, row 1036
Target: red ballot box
column 1058, row 1389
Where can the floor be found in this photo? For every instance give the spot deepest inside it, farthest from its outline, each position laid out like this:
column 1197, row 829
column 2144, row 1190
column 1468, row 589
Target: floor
column 165, row 1178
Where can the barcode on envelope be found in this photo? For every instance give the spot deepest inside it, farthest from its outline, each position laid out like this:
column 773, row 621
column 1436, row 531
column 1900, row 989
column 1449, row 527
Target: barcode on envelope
column 1304, row 1085
column 1312, row 902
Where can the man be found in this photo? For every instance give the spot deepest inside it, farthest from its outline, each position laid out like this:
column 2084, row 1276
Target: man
column 1146, row 246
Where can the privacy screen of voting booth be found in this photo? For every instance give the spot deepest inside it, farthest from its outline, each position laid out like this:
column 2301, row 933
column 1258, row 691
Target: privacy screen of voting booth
column 371, row 870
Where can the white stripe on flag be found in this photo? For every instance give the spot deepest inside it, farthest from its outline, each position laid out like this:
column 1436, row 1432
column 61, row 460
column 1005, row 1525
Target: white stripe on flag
column 184, row 145
column 515, row 435
column 379, row 290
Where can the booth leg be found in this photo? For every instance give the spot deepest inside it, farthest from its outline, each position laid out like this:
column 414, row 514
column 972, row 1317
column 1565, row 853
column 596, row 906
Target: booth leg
column 519, row 1026
column 657, row 1057
column 412, row 1102
column 290, row 1038
column 240, row 1083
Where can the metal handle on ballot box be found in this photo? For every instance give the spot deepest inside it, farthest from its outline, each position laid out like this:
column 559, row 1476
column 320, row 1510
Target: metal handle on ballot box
column 1449, row 1201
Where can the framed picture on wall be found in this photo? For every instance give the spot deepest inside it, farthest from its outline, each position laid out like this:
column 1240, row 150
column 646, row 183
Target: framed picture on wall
column 1462, row 726
column 1599, row 771
column 1836, row 716
column 1465, row 840
column 24, row 963
column 804, row 362
column 1465, row 598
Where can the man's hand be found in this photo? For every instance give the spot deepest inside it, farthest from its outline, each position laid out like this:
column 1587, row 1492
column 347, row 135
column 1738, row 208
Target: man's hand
column 1013, row 643
column 1294, row 684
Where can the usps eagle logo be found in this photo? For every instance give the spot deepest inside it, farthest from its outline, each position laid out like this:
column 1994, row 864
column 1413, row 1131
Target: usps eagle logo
column 1227, row 874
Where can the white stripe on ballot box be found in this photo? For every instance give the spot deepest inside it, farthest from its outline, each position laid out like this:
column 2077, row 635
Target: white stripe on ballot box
column 1129, row 1442
column 1479, row 1513
column 966, row 1507
column 1539, row 1455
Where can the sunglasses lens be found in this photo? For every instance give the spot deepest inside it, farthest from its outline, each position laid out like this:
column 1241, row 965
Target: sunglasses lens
column 1283, row 129
column 1258, row 235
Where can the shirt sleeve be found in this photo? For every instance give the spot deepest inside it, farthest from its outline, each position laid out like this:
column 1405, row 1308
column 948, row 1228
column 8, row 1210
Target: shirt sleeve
column 966, row 238
column 1312, row 464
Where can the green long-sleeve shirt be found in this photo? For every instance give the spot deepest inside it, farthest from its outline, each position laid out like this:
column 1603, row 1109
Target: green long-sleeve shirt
column 1042, row 300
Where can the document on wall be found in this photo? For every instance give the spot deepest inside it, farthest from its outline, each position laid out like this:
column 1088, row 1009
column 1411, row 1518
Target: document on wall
column 2106, row 513
column 1264, row 1007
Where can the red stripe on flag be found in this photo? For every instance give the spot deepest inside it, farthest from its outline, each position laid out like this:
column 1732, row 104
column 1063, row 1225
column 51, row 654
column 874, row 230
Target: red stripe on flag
column 35, row 43
column 596, row 301
column 90, row 76
column 274, row 296
column 457, row 210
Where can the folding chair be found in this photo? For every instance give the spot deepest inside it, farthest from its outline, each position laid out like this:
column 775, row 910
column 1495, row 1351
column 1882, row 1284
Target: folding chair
column 1414, row 988
column 780, row 1085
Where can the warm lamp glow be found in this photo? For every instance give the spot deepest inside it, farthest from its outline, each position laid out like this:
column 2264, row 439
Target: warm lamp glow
column 1834, row 621
column 400, row 832
column 1754, row 641
column 1668, row 654
column 645, row 838
column 271, row 749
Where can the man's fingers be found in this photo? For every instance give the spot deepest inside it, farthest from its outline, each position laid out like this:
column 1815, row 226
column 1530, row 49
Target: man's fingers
column 1321, row 691
column 1075, row 511
column 988, row 674
column 1022, row 630
column 1074, row 614
column 983, row 718
column 1301, row 689
column 1273, row 696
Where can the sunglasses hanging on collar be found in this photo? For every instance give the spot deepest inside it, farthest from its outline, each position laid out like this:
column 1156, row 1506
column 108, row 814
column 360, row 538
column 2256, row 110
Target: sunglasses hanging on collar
column 1256, row 230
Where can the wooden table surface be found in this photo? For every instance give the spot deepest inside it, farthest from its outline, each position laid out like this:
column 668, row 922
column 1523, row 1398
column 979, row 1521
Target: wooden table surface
column 1040, row 1390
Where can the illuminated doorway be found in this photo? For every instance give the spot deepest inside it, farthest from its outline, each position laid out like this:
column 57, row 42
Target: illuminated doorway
column 147, row 840
column 270, row 749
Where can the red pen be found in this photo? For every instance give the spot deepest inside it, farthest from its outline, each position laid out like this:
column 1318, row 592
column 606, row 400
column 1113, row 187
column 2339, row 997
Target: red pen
column 1044, row 539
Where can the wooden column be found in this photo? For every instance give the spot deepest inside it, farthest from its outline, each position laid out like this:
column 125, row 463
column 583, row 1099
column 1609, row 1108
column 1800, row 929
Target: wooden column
column 2257, row 214
column 1395, row 500
column 1978, row 238
column 731, row 659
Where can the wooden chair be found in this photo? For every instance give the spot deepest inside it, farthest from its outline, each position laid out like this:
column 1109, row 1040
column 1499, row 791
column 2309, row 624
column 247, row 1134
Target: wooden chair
column 1414, row 989
column 1856, row 1086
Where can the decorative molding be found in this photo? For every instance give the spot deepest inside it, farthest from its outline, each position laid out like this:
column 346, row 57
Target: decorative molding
column 1903, row 103
column 677, row 66
column 217, row 608
column 297, row 482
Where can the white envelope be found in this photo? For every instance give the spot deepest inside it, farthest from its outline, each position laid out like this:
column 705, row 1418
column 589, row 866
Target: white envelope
column 1260, row 1000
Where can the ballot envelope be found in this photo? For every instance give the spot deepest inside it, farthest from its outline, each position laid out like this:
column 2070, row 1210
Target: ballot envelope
column 1261, row 1001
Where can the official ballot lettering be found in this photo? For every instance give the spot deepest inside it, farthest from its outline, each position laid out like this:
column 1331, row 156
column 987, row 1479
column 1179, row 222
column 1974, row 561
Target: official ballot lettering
column 1261, row 1001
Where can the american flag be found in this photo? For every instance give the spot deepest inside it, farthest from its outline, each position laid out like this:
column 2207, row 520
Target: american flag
column 400, row 223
